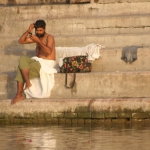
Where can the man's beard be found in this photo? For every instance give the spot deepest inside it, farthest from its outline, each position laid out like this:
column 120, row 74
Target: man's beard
column 40, row 35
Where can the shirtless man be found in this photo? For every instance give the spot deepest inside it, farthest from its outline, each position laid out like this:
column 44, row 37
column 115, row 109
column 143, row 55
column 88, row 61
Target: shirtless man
column 29, row 68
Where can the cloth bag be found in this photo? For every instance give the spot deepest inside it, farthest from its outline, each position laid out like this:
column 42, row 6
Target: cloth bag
column 75, row 64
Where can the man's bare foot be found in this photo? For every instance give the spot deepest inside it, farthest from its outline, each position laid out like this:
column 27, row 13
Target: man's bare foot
column 27, row 86
column 17, row 98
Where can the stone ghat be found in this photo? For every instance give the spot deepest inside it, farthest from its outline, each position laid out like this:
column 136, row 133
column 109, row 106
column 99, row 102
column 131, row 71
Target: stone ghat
column 75, row 111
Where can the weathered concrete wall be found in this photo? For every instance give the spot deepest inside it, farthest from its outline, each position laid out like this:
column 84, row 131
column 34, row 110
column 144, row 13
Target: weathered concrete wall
column 75, row 111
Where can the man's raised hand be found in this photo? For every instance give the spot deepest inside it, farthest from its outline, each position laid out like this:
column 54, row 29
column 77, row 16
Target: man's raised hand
column 31, row 27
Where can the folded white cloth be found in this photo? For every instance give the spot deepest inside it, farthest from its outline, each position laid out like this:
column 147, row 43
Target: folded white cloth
column 41, row 87
column 92, row 50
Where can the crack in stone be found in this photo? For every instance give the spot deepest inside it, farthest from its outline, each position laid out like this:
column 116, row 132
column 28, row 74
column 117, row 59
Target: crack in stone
column 121, row 27
column 119, row 1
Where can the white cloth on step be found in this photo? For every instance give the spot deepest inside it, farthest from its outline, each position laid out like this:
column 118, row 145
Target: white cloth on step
column 92, row 50
column 42, row 86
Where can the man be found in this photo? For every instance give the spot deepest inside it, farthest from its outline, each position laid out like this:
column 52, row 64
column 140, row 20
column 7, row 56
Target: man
column 30, row 68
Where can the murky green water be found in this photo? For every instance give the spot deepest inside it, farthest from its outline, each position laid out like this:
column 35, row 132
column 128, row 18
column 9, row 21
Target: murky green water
column 104, row 137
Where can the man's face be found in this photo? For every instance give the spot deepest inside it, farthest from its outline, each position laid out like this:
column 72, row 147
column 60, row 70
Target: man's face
column 39, row 32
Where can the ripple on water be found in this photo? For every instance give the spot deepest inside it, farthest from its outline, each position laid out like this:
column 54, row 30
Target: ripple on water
column 89, row 137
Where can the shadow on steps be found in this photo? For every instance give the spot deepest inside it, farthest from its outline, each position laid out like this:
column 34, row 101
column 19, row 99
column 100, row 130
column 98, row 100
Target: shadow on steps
column 8, row 85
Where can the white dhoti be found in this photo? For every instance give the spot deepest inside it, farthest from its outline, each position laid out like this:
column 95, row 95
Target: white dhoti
column 42, row 86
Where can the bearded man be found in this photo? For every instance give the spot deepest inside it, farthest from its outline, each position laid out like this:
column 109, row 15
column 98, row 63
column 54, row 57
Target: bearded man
column 30, row 68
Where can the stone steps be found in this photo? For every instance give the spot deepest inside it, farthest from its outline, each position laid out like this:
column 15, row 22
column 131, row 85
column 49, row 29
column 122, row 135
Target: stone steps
column 33, row 2
column 92, row 25
column 113, row 25
column 71, row 26
column 119, row 1
column 89, row 85
column 109, row 41
column 109, row 60
column 21, row 13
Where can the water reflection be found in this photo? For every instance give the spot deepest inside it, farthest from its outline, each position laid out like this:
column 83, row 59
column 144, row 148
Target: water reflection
column 104, row 137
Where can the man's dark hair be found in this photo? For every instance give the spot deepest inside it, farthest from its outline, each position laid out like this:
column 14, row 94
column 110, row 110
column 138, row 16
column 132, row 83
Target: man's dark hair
column 40, row 24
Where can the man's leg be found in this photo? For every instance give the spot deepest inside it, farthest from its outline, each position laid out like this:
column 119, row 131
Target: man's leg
column 24, row 65
column 25, row 74
column 21, row 77
column 33, row 72
column 19, row 96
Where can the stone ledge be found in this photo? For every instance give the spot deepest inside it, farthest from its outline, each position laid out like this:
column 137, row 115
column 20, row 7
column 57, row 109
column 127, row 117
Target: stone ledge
column 75, row 111
column 48, row 2
column 119, row 1
column 90, row 85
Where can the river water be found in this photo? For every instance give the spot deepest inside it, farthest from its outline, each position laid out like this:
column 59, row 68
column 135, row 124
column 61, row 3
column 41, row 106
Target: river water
column 67, row 137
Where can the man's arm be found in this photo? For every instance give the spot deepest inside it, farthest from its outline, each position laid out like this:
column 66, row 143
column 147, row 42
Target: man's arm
column 24, row 39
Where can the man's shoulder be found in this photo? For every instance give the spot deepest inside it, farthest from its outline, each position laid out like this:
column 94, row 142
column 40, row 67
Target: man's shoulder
column 49, row 35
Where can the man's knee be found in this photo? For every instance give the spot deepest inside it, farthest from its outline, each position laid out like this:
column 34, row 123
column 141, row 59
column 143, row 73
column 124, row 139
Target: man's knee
column 23, row 62
column 23, row 58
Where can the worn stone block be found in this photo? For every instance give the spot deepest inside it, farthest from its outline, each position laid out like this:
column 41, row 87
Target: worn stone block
column 125, row 115
column 35, row 121
column 65, row 121
column 79, row 1
column 62, row 121
column 80, row 121
column 7, row 122
column 68, row 121
column 88, row 121
column 140, row 115
column 107, row 121
column 42, row 115
column 111, row 115
column 83, row 109
column 74, row 121
column 10, row 120
column 147, row 121
column 118, row 120
column 34, row 115
column 2, row 115
column 48, row 115
column 41, row 121
column 2, row 121
column 55, row 121
column 128, row 121
column 98, row 115
column 58, row 115
column 48, row 121
column 26, row 121
column 26, row 115
column 97, row 121
column 22, row 121
column 70, row 115
column 16, row 121
column 29, row 121
column 138, row 120
column 84, row 115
